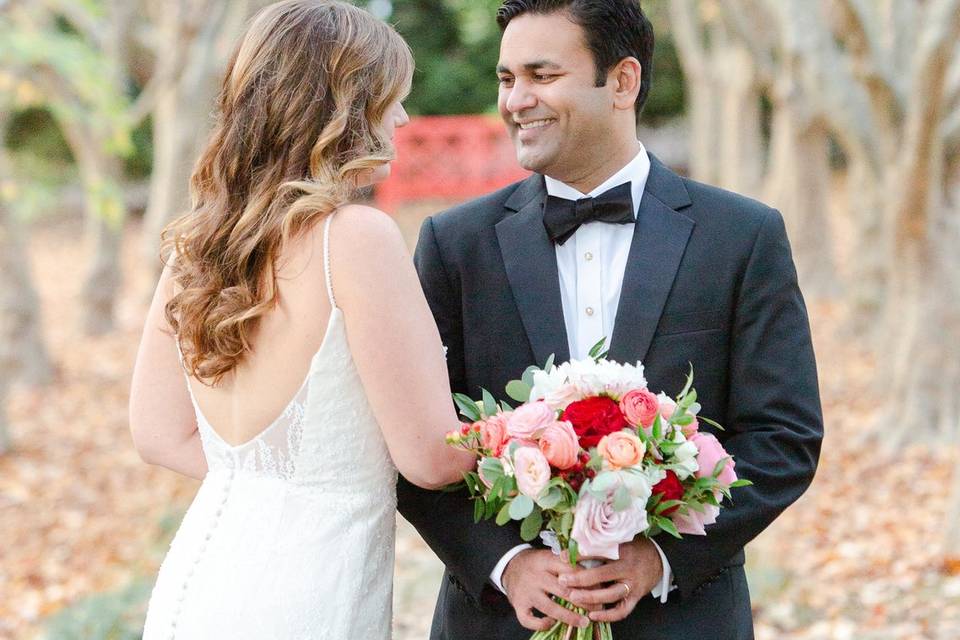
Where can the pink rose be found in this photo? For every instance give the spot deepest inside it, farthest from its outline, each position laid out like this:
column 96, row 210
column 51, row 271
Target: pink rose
column 532, row 469
column 528, row 420
column 639, row 407
column 599, row 529
column 493, row 433
column 711, row 452
column 693, row 522
column 621, row 449
column 559, row 444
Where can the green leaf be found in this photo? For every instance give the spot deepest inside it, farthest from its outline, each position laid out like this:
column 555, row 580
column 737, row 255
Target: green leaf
column 521, row 507
column 683, row 421
column 492, row 469
column 504, row 406
column 657, row 430
column 667, row 504
column 721, row 464
column 667, row 525
column 597, row 348
column 743, row 482
column 467, row 406
column 518, row 390
column 689, row 399
column 711, row 422
column 503, row 516
column 566, row 523
column 489, row 403
column 530, row 526
column 573, row 550
column 490, row 508
column 478, row 509
column 687, row 386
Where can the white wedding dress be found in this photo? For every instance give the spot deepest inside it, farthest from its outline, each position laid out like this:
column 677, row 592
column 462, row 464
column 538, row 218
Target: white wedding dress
column 291, row 534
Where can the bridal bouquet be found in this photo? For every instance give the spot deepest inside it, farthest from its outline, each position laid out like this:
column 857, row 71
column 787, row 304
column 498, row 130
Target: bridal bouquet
column 590, row 459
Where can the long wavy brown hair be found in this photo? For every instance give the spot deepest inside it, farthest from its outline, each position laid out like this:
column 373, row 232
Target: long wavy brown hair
column 299, row 122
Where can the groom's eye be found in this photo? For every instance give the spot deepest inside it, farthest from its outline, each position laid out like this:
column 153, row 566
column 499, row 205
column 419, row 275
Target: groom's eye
column 505, row 80
column 543, row 77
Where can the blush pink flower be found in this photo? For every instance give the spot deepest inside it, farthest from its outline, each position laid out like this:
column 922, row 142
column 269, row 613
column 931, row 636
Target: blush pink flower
column 599, row 529
column 621, row 449
column 560, row 445
column 711, row 452
column 639, row 407
column 667, row 406
column 693, row 522
column 532, row 470
column 528, row 420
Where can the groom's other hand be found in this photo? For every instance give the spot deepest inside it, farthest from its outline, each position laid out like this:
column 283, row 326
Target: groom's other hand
column 639, row 568
column 531, row 579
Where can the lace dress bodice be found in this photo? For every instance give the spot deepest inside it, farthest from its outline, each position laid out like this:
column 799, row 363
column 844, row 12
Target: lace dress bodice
column 291, row 534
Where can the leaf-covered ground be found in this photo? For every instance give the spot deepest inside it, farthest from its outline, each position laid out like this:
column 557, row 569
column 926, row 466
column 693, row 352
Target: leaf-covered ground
column 858, row 557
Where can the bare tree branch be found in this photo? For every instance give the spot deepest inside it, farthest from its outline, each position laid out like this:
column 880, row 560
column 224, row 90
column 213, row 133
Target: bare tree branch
column 89, row 26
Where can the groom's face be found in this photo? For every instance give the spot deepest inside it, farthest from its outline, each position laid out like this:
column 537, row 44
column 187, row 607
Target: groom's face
column 559, row 120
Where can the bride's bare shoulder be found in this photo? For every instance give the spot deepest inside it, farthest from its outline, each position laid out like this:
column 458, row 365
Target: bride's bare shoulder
column 365, row 243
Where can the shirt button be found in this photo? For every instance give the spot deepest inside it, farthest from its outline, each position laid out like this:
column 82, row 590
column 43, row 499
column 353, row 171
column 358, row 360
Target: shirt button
column 588, row 256
column 589, row 311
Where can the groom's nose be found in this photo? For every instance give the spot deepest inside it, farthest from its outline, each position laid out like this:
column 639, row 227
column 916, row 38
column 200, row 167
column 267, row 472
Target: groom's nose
column 520, row 98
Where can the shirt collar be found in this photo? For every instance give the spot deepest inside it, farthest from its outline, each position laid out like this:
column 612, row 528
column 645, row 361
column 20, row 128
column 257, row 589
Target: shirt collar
column 635, row 172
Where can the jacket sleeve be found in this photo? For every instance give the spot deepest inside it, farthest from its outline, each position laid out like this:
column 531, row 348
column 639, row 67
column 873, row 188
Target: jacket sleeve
column 469, row 550
column 774, row 423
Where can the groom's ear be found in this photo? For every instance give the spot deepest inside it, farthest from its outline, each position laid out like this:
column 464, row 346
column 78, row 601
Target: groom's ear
column 625, row 79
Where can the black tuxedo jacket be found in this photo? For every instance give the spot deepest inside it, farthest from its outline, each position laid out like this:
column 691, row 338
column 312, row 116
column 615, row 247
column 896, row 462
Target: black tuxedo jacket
column 709, row 281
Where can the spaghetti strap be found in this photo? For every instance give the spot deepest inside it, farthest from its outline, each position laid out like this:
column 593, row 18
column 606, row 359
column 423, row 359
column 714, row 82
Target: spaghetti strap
column 326, row 260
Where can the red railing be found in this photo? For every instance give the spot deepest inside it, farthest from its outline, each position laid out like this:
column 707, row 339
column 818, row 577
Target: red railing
column 449, row 158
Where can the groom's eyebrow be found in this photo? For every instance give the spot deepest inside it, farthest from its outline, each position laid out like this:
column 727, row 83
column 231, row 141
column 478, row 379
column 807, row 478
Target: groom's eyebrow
column 531, row 66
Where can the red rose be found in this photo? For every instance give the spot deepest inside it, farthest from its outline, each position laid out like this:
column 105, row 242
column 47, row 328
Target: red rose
column 594, row 417
column 669, row 488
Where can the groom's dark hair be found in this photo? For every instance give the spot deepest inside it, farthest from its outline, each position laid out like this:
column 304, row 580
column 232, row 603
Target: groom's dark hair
column 615, row 29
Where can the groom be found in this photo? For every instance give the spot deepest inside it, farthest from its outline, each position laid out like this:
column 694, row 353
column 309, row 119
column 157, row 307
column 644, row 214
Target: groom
column 603, row 241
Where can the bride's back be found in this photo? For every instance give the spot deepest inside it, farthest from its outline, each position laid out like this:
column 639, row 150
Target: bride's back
column 253, row 394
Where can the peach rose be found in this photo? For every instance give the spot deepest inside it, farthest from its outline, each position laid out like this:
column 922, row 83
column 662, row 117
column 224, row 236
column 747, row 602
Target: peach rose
column 528, row 420
column 532, row 471
column 639, row 407
column 621, row 449
column 493, row 433
column 559, row 444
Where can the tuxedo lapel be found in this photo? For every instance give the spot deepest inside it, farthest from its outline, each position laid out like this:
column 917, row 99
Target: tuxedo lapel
column 660, row 238
column 531, row 264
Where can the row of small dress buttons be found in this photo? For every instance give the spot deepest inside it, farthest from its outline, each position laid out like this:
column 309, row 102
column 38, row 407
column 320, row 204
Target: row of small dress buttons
column 203, row 547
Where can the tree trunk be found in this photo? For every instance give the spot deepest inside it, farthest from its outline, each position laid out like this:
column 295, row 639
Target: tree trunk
column 22, row 351
column 740, row 142
column 798, row 184
column 105, row 215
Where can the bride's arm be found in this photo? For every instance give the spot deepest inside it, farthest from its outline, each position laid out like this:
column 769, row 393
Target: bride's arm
column 162, row 420
column 395, row 345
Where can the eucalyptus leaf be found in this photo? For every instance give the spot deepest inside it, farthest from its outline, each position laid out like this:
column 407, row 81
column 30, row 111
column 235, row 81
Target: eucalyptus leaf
column 521, row 507
column 530, row 526
column 518, row 390
column 551, row 499
column 597, row 348
column 503, row 516
column 548, row 367
column 622, row 499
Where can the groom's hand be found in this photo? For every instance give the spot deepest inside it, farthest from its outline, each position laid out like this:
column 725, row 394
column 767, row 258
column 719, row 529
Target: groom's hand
column 531, row 579
column 639, row 568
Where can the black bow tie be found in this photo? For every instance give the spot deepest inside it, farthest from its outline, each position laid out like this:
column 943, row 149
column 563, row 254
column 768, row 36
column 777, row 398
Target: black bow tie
column 563, row 217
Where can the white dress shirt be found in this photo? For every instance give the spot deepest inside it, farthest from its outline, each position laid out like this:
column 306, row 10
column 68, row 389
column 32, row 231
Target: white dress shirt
column 591, row 264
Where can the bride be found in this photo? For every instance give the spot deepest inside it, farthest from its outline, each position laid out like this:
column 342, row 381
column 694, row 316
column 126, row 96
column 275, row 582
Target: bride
column 289, row 357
